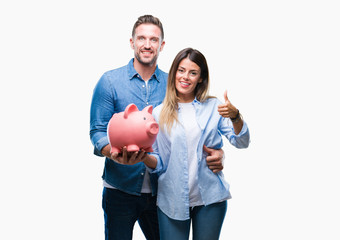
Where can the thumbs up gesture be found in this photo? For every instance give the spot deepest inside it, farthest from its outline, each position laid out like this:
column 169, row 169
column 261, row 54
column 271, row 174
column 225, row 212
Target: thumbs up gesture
column 227, row 110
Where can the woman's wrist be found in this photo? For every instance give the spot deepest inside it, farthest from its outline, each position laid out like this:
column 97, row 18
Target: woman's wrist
column 237, row 118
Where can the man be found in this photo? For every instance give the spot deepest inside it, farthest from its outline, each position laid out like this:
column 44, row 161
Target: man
column 129, row 191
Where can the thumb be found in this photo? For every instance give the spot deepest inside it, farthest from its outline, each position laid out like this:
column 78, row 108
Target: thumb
column 225, row 96
column 114, row 155
column 206, row 149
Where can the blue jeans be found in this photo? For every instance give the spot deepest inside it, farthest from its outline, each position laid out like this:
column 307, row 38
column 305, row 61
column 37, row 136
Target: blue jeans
column 206, row 223
column 122, row 210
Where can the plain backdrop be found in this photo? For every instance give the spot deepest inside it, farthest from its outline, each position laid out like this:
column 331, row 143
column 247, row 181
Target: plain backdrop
column 279, row 61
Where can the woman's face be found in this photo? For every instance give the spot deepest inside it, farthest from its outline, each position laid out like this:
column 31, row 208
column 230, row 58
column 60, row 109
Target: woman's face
column 188, row 75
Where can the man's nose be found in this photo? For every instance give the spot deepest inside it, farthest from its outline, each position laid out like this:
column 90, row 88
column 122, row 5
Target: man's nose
column 147, row 43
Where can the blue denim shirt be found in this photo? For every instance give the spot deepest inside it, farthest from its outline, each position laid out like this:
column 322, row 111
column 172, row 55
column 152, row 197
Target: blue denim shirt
column 114, row 91
column 172, row 165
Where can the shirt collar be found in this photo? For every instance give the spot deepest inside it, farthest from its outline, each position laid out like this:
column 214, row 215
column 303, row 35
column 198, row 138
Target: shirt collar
column 133, row 73
column 195, row 103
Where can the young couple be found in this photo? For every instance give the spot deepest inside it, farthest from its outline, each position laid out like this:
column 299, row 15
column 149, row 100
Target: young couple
column 186, row 163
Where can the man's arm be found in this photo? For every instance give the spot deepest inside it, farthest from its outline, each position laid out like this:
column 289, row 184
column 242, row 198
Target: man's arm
column 106, row 151
column 101, row 111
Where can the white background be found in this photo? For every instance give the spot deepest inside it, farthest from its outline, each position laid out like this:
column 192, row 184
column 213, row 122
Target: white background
column 279, row 61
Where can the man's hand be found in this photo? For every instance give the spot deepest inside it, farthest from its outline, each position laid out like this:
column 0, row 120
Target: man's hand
column 128, row 158
column 214, row 159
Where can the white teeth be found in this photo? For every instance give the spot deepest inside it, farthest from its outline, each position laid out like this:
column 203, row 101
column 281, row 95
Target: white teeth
column 186, row 84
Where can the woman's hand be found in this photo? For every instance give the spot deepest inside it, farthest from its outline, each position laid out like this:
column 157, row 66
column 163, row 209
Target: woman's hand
column 227, row 110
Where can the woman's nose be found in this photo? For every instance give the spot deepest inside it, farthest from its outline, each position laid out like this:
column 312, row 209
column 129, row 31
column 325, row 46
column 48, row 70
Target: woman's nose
column 186, row 75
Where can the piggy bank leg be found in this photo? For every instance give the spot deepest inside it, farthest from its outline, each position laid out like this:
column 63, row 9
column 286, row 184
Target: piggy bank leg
column 132, row 148
column 114, row 149
column 149, row 149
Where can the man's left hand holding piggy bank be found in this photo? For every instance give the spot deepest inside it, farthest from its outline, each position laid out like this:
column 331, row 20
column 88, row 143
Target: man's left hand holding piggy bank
column 131, row 134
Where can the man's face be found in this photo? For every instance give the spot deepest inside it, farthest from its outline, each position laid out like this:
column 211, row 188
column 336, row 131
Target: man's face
column 147, row 43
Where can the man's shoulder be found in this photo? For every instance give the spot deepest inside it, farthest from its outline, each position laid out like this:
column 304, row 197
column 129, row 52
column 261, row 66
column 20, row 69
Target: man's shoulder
column 115, row 71
column 161, row 75
column 114, row 75
column 162, row 72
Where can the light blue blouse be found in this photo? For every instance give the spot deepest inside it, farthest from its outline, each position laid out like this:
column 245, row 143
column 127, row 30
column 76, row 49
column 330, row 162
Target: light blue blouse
column 172, row 165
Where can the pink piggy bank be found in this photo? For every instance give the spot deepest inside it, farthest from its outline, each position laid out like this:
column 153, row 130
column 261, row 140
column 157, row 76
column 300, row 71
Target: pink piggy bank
column 132, row 128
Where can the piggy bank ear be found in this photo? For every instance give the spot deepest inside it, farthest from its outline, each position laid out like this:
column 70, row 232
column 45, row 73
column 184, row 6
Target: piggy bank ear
column 148, row 109
column 129, row 109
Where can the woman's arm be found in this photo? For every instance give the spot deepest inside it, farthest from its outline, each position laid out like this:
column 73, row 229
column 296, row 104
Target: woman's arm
column 238, row 135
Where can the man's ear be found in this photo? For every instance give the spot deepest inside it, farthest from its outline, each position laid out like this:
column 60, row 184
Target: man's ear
column 162, row 45
column 132, row 43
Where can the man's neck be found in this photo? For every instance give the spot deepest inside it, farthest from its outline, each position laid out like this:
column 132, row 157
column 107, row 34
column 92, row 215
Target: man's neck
column 145, row 71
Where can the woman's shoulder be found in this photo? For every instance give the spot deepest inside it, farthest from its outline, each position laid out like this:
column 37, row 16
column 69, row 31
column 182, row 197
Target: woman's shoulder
column 211, row 100
column 157, row 110
column 158, row 107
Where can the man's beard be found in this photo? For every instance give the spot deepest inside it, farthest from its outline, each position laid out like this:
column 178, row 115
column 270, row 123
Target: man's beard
column 148, row 63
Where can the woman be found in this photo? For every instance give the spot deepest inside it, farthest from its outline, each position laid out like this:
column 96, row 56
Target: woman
column 190, row 119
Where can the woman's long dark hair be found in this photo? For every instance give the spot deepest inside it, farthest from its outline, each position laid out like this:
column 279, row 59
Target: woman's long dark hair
column 170, row 104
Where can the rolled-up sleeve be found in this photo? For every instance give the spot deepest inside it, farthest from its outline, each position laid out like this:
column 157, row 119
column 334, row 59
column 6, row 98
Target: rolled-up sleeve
column 240, row 140
column 102, row 109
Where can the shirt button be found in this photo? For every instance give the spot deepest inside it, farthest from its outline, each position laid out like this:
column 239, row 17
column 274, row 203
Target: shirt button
column 142, row 174
column 143, row 86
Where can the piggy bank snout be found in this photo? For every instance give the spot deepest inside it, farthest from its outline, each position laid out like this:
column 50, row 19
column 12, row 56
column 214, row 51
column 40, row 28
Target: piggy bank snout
column 152, row 128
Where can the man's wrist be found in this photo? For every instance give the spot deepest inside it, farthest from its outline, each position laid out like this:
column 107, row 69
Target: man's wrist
column 106, row 151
